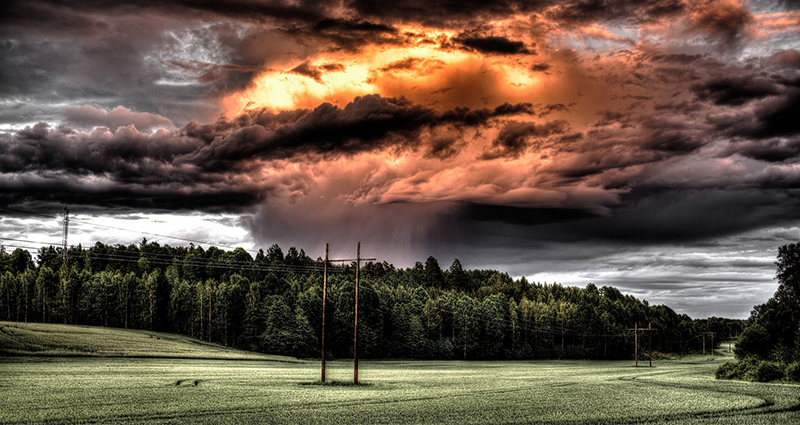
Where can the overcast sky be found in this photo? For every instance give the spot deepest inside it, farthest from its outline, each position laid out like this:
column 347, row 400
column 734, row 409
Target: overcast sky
column 650, row 145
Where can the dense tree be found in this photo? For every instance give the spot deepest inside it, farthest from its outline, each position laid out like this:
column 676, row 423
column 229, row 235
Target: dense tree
column 457, row 279
column 433, row 273
column 273, row 302
column 771, row 339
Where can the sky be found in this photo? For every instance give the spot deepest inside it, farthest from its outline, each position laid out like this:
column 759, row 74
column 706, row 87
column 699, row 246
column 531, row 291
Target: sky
column 650, row 145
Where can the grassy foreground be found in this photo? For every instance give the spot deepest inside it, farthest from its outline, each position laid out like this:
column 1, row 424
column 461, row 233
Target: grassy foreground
column 168, row 390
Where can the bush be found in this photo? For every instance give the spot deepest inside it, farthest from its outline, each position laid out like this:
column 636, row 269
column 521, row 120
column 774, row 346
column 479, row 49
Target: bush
column 767, row 371
column 793, row 371
column 727, row 370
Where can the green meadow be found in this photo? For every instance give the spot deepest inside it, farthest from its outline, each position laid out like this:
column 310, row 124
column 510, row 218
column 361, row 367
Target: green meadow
column 73, row 374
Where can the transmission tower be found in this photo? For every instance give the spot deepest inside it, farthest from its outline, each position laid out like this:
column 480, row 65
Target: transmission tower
column 66, row 232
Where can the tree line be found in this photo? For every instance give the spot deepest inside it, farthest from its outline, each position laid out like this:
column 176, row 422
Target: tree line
column 273, row 303
column 769, row 349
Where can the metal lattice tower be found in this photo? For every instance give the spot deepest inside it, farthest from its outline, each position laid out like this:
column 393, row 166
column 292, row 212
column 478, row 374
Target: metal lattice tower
column 66, row 232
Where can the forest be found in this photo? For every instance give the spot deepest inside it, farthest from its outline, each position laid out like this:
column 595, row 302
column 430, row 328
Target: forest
column 769, row 348
column 273, row 303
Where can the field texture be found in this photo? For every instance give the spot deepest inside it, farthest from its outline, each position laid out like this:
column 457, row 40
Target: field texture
column 162, row 390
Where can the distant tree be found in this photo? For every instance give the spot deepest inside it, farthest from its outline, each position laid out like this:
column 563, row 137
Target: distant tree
column 466, row 326
column 773, row 327
column 433, row 273
column 68, row 293
column 287, row 332
column 28, row 282
column 789, row 277
column 457, row 279
column 292, row 257
column 275, row 254
column 9, row 287
column 771, row 339
column 17, row 262
column 46, row 284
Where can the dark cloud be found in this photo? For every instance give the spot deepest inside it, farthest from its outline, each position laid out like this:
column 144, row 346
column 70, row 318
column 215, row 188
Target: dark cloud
column 333, row 67
column 541, row 67
column 403, row 65
column 442, row 90
column 414, row 65
column 638, row 139
column 369, row 122
column 437, row 13
column 352, row 25
column 347, row 34
column 613, row 117
column 443, row 147
column 580, row 12
column 554, row 107
column 200, row 160
column 769, row 150
column 301, row 10
column 643, row 217
column 514, row 138
column 492, row 44
column 771, row 118
column 309, row 71
column 735, row 91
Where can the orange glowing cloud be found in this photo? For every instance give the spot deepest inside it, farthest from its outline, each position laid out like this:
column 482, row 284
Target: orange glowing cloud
column 434, row 73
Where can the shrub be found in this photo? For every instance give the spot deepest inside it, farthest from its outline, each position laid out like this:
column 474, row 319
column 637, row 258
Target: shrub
column 727, row 370
column 767, row 371
column 793, row 371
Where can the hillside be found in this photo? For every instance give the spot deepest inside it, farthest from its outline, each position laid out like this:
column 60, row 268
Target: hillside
column 37, row 339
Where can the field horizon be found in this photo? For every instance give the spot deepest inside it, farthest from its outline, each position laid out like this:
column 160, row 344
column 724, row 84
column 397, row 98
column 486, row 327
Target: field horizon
column 168, row 388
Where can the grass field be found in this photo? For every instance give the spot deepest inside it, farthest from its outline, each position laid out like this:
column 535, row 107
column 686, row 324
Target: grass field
column 51, row 389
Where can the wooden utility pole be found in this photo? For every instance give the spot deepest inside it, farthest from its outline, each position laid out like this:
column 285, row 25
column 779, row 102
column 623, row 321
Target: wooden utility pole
column 324, row 302
column 704, row 342
column 355, row 327
column 358, row 260
column 649, row 329
column 650, row 344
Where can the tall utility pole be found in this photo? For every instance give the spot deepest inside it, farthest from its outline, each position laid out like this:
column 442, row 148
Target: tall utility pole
column 355, row 327
column 649, row 329
column 355, row 330
column 324, row 301
column 650, row 344
column 66, row 232
column 358, row 260
column 704, row 342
